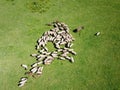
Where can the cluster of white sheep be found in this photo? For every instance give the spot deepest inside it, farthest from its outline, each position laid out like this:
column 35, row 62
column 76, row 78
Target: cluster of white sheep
column 22, row 81
column 59, row 36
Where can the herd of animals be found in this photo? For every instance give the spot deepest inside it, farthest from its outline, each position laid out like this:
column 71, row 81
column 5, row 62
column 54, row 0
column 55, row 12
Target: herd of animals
column 62, row 41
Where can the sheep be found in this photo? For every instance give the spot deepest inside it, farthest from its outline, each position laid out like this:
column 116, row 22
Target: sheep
column 58, row 24
column 67, row 57
column 56, row 29
column 55, row 25
column 61, row 28
column 38, row 73
column 40, row 69
column 42, row 50
column 78, row 29
column 97, row 34
column 40, row 62
column 39, row 59
column 59, row 50
column 45, row 53
column 72, row 51
column 51, row 38
column 41, row 56
column 37, row 47
column 72, row 59
column 33, row 55
column 69, row 45
column 54, row 54
column 33, row 70
column 23, row 78
column 23, row 81
column 62, row 58
column 34, row 64
column 46, row 49
column 48, row 60
column 64, row 54
column 57, row 45
column 24, row 66
column 39, row 40
column 30, row 73
column 21, row 85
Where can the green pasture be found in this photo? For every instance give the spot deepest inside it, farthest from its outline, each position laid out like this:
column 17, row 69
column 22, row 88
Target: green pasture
column 97, row 63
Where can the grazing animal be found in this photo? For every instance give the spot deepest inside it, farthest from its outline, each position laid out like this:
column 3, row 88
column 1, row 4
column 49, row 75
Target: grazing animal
column 21, row 84
column 22, row 81
column 62, row 41
column 23, row 78
column 78, row 29
column 33, row 55
column 24, row 66
column 34, row 69
column 34, row 64
column 97, row 34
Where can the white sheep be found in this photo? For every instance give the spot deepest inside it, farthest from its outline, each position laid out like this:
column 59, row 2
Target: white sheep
column 98, row 33
column 34, row 55
column 23, row 78
column 34, row 69
column 40, row 62
column 72, row 59
column 21, row 82
column 24, row 66
column 34, row 64
column 62, row 58
column 21, row 85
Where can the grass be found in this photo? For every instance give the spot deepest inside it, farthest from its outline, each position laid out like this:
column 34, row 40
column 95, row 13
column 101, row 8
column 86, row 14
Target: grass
column 97, row 62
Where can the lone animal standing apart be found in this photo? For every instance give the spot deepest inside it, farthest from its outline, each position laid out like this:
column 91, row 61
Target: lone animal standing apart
column 78, row 29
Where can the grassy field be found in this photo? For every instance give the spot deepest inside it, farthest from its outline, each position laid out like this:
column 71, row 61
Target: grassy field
column 97, row 62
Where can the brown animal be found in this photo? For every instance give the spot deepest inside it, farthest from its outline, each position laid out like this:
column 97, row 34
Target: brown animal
column 78, row 29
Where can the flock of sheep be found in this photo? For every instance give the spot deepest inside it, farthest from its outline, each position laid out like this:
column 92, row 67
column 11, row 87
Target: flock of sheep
column 60, row 37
